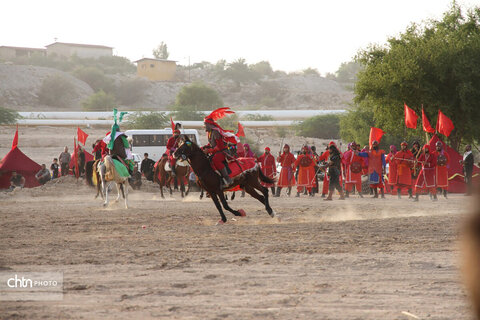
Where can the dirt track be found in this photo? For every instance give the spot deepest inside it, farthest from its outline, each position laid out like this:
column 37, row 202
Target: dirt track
column 356, row 259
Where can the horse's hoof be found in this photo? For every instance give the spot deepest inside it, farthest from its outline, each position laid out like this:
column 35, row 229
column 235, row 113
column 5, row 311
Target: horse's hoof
column 104, row 204
column 272, row 214
column 242, row 213
column 220, row 222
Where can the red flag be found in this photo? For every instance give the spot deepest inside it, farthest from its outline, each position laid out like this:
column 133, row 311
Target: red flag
column 376, row 134
column 444, row 124
column 76, row 157
column 15, row 139
column 240, row 132
column 410, row 117
column 426, row 124
column 172, row 124
column 82, row 136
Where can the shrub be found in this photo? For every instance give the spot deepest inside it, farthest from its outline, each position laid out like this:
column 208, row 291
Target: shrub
column 99, row 101
column 323, row 127
column 199, row 96
column 147, row 120
column 131, row 91
column 8, row 116
column 55, row 91
column 95, row 78
column 187, row 113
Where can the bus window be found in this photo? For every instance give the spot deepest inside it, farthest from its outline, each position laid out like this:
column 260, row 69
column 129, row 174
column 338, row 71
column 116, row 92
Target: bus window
column 141, row 140
column 158, row 140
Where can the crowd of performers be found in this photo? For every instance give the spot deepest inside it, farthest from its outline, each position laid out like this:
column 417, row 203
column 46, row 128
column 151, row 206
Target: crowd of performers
column 416, row 170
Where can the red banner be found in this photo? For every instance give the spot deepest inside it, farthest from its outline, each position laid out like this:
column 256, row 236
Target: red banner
column 426, row 124
column 444, row 124
column 15, row 139
column 76, row 158
column 240, row 132
column 376, row 134
column 82, row 136
column 410, row 117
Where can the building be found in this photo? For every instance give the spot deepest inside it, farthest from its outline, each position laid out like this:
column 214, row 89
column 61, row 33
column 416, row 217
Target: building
column 80, row 50
column 7, row 52
column 156, row 69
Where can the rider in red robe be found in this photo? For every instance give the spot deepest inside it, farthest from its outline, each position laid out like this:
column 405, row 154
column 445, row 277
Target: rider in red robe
column 172, row 145
column 426, row 177
column 392, row 167
column 306, row 171
column 353, row 178
column 442, row 167
column 287, row 177
column 404, row 161
column 269, row 169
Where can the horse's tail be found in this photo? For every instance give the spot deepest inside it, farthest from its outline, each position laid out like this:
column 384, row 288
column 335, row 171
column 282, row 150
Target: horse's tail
column 89, row 168
column 264, row 178
column 156, row 171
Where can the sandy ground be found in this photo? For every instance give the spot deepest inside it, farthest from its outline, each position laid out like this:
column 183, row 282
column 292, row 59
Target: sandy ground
column 354, row 259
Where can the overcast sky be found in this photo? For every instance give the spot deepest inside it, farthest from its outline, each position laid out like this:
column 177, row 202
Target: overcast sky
column 292, row 35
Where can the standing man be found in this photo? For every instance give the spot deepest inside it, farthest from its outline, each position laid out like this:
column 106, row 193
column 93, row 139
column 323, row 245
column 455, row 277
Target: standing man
column 353, row 170
column 64, row 159
column 426, row 176
column 146, row 167
column 405, row 162
column 287, row 178
column 315, row 157
column 441, row 173
column 81, row 160
column 334, row 172
column 306, row 171
column 467, row 164
column 392, row 167
column 324, row 157
column 376, row 168
column 267, row 164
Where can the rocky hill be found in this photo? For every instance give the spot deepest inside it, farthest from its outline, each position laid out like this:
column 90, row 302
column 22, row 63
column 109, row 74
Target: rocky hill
column 20, row 86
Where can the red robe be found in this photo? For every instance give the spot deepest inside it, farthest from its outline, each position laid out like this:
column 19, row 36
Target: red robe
column 441, row 172
column 267, row 164
column 172, row 145
column 352, row 178
column 392, row 169
column 306, row 172
column 404, row 164
column 287, row 176
column 426, row 177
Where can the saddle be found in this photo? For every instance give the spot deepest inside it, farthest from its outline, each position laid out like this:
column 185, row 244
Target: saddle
column 179, row 163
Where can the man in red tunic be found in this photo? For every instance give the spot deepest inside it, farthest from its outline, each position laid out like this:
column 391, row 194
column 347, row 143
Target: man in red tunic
column 287, row 178
column 306, row 171
column 392, row 168
column 441, row 173
column 353, row 170
column 404, row 161
column 172, row 145
column 376, row 168
column 426, row 177
column 267, row 164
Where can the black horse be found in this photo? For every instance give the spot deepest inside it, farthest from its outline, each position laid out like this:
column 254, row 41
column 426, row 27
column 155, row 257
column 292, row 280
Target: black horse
column 211, row 181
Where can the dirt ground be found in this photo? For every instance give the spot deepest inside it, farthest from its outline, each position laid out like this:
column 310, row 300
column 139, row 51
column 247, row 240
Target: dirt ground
column 166, row 258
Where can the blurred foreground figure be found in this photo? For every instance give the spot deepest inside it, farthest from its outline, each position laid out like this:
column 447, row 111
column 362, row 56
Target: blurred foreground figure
column 470, row 245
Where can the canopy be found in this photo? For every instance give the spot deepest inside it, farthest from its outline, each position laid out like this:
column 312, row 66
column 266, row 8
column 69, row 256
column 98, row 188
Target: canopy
column 16, row 160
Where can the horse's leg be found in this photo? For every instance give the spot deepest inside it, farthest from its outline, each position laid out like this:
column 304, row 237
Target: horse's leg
column 219, row 207
column 233, row 196
column 126, row 193
column 250, row 189
column 226, row 206
column 201, row 193
column 170, row 180
column 161, row 183
column 106, row 186
column 182, row 187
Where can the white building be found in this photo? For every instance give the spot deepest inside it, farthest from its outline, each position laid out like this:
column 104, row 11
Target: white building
column 80, row 50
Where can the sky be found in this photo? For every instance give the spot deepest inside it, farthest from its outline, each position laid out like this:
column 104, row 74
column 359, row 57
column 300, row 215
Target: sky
column 291, row 35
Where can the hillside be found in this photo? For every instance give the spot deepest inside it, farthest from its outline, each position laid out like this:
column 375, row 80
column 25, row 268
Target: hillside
column 20, row 86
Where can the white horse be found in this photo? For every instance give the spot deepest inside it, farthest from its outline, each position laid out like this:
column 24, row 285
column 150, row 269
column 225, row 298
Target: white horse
column 108, row 175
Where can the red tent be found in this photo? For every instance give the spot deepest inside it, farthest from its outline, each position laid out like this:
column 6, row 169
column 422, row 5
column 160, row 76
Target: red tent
column 16, row 160
column 456, row 182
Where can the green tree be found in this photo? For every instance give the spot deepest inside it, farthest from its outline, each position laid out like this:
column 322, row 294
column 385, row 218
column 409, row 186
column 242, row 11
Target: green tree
column 347, row 72
column 161, row 52
column 188, row 113
column 262, row 68
column 435, row 65
column 311, row 72
column 147, row 120
column 8, row 116
column 199, row 96
column 99, row 101
column 324, row 127
column 55, row 91
column 240, row 72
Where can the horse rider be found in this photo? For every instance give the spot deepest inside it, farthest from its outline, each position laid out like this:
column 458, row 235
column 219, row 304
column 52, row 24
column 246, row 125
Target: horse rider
column 217, row 143
column 172, row 145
